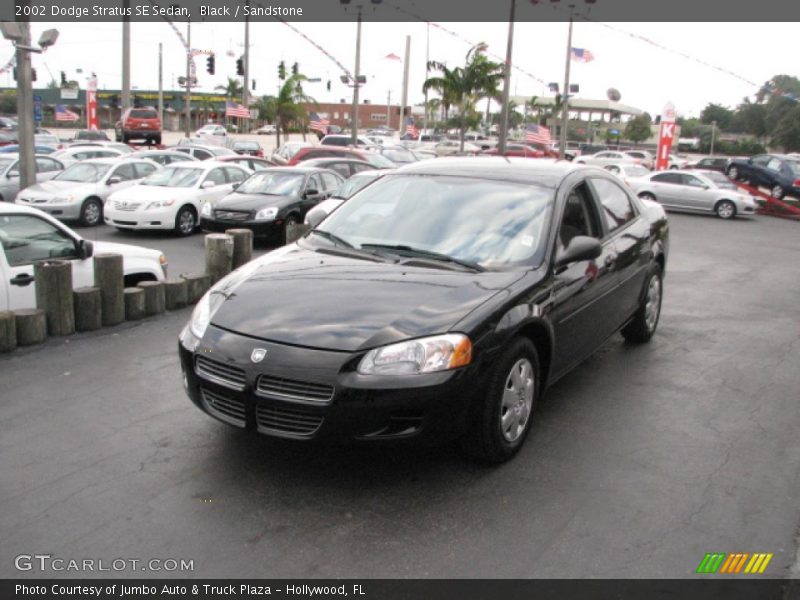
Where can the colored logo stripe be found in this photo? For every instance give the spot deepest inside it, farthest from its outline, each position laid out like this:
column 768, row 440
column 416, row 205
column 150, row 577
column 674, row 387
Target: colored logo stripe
column 734, row 563
column 711, row 562
column 758, row 563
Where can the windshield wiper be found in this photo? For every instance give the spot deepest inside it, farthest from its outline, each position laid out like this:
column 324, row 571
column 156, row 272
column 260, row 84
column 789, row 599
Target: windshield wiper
column 333, row 238
column 427, row 254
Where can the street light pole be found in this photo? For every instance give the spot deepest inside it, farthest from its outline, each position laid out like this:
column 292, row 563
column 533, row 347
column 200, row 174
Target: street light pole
column 501, row 144
column 354, row 132
column 126, row 58
column 27, row 160
column 565, row 98
column 187, row 110
column 246, row 61
column 713, row 130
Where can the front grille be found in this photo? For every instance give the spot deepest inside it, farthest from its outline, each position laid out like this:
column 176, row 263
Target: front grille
column 126, row 206
column 231, row 215
column 219, row 372
column 287, row 421
column 298, row 391
column 124, row 222
column 224, row 407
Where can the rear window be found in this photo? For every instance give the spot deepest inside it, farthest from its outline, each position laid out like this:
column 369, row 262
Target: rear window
column 143, row 113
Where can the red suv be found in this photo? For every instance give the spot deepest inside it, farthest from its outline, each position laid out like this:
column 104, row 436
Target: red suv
column 139, row 124
column 326, row 152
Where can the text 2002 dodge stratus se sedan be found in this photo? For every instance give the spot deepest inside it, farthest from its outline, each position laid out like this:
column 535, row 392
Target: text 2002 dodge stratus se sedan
column 438, row 302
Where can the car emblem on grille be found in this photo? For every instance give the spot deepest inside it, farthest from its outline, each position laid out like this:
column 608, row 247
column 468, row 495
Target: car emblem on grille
column 258, row 355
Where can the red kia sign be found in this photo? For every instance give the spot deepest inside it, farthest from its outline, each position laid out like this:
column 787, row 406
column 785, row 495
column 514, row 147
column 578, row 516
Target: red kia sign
column 666, row 136
column 92, row 122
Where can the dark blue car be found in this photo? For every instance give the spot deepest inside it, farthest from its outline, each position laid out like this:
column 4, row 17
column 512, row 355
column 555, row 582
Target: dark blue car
column 778, row 172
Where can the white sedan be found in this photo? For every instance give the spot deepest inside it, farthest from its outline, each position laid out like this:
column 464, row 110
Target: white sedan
column 173, row 197
column 608, row 157
column 211, row 130
column 28, row 235
column 79, row 191
column 74, row 154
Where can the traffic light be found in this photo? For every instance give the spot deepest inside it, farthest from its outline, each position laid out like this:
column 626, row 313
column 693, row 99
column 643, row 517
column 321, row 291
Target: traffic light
column 329, row 85
column 210, row 64
column 33, row 74
column 240, row 66
column 295, row 69
column 282, row 71
column 254, row 85
column 63, row 79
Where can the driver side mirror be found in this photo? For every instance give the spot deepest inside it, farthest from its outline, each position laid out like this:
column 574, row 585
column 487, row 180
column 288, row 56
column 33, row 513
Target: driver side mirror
column 580, row 248
column 235, row 185
column 12, row 174
column 311, row 193
column 113, row 180
column 85, row 249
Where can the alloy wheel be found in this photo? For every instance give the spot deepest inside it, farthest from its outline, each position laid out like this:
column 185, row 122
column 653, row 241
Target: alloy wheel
column 515, row 410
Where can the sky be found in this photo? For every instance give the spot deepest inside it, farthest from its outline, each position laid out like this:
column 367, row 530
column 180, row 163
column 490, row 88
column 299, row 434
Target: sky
column 646, row 76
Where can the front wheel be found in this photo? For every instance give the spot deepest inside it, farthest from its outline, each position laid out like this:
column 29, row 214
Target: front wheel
column 185, row 221
column 645, row 321
column 733, row 173
column 91, row 212
column 777, row 192
column 725, row 209
column 289, row 229
column 502, row 421
column 647, row 196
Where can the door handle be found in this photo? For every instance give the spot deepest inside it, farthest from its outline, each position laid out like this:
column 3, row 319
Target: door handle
column 22, row 279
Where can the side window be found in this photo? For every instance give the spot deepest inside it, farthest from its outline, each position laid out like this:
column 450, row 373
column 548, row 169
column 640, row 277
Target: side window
column 202, row 155
column 774, row 165
column 358, row 167
column 26, row 238
column 47, row 165
column 314, row 183
column 217, row 176
column 692, row 181
column 184, row 150
column 617, row 207
column 82, row 155
column 235, row 175
column 761, row 160
column 331, row 181
column 580, row 216
column 258, row 166
column 144, row 169
column 125, row 172
column 666, row 178
column 342, row 169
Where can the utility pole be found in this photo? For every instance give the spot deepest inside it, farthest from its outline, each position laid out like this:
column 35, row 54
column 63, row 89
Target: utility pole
column 565, row 96
column 126, row 58
column 160, row 84
column 501, row 143
column 406, row 61
column 389, row 109
column 427, row 60
column 188, row 97
column 713, row 131
column 27, row 161
column 246, row 61
column 354, row 131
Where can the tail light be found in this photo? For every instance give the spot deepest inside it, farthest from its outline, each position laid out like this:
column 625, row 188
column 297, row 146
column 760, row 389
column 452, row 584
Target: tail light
column 796, row 183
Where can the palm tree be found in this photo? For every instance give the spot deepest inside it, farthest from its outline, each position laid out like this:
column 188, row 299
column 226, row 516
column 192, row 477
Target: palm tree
column 288, row 106
column 464, row 86
column 233, row 89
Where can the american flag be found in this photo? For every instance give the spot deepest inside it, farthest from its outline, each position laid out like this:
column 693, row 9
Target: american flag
column 537, row 134
column 315, row 123
column 393, row 56
column 236, row 110
column 411, row 129
column 63, row 114
column 582, row 55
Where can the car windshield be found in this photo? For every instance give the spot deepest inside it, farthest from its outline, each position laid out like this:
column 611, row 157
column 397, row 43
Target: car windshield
column 794, row 167
column 492, row 224
column 246, row 146
column 399, row 155
column 6, row 162
column 121, row 147
column 83, row 172
column 143, row 113
column 635, row 170
column 720, row 180
column 220, row 151
column 45, row 139
column 174, row 177
column 379, row 161
column 355, row 183
column 277, row 183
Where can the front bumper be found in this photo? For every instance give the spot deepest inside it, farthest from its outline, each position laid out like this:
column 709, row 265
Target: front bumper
column 260, row 229
column 67, row 211
column 305, row 394
column 139, row 219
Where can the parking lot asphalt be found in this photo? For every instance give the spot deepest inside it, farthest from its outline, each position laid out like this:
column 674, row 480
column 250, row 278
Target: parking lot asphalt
column 639, row 462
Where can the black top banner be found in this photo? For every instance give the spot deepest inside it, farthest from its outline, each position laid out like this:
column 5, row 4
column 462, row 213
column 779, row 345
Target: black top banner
column 402, row 10
column 407, row 589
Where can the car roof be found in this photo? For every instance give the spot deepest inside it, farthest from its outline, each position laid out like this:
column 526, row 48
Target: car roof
column 200, row 164
column 545, row 172
column 299, row 169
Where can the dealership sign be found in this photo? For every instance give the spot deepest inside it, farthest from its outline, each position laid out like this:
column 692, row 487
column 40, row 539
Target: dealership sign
column 666, row 135
column 92, row 122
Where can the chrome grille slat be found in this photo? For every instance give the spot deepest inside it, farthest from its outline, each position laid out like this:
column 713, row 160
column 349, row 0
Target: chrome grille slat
column 287, row 421
column 223, row 407
column 232, row 215
column 127, row 206
column 224, row 374
column 289, row 389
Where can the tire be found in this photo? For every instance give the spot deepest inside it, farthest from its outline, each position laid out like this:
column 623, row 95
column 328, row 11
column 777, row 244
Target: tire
column 186, row 221
column 125, row 139
column 733, row 172
column 290, row 222
column 643, row 326
column 647, row 196
column 117, row 137
column 725, row 209
column 91, row 212
column 777, row 192
column 674, row 167
column 502, row 421
column 157, row 140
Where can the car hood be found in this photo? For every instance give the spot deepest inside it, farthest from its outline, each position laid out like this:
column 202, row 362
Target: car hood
column 301, row 297
column 126, row 250
column 53, row 188
column 253, row 201
column 153, row 192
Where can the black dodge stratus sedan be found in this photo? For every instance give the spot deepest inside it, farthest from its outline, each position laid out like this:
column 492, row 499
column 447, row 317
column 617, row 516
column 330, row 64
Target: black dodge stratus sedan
column 439, row 302
column 271, row 201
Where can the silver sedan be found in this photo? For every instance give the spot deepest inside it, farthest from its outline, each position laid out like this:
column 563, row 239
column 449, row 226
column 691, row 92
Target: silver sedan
column 695, row 191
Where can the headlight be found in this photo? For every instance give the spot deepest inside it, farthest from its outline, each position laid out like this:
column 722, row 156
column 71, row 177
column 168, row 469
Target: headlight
column 206, row 210
column 61, row 199
column 425, row 355
column 159, row 204
column 267, row 214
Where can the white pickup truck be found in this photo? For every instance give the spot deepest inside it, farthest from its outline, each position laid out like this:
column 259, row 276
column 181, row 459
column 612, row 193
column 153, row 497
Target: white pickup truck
column 28, row 235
